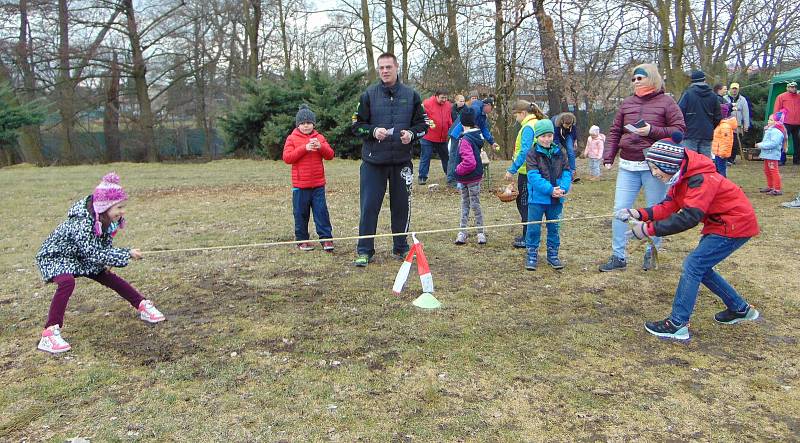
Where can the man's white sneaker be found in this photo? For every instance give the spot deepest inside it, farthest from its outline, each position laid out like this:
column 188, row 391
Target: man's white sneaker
column 792, row 204
column 481, row 238
column 149, row 313
column 52, row 342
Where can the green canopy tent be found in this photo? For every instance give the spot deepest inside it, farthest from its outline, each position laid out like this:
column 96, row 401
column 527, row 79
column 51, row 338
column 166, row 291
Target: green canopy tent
column 777, row 87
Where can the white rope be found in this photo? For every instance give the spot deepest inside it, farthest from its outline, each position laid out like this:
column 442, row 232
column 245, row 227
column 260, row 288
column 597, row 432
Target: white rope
column 358, row 237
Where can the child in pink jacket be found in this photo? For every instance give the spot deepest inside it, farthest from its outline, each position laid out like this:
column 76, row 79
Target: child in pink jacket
column 469, row 173
column 594, row 151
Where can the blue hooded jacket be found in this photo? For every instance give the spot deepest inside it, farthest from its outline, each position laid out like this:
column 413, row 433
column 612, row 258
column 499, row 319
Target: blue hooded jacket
column 547, row 168
column 481, row 121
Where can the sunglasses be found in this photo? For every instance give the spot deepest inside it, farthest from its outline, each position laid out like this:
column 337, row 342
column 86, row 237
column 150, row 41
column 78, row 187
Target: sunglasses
column 638, row 77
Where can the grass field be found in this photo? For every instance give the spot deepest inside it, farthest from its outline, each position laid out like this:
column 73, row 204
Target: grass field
column 275, row 344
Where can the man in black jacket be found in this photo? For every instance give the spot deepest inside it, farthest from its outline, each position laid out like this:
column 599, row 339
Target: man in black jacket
column 701, row 111
column 389, row 118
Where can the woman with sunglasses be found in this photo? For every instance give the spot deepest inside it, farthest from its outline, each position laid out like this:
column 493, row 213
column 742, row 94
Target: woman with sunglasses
column 643, row 118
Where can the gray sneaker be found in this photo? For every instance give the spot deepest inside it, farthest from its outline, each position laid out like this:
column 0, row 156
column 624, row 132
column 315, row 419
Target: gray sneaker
column 792, row 204
column 481, row 238
column 614, row 264
column 461, row 238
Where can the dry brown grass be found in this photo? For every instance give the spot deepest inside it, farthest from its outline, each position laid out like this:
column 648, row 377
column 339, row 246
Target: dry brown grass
column 325, row 352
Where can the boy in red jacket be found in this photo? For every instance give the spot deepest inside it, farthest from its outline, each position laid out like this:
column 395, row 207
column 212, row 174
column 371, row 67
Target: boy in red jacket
column 304, row 150
column 696, row 193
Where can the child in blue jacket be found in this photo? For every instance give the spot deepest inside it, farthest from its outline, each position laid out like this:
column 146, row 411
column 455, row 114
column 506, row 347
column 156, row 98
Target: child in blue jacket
column 549, row 180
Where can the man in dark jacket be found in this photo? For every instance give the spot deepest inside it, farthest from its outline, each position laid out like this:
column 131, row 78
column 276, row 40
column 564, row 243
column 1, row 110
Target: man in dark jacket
column 389, row 118
column 701, row 112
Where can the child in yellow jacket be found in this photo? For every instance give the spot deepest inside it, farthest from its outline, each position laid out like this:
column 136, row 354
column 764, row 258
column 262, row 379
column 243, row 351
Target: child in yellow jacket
column 722, row 144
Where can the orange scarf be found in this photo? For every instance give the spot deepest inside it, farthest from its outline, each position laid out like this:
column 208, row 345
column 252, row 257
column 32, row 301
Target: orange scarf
column 641, row 91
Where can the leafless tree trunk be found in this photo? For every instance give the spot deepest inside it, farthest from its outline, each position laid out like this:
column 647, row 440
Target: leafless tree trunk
column 502, row 90
column 389, row 26
column 371, row 74
column 404, row 43
column 550, row 58
column 111, row 114
column 139, row 74
column 30, row 140
column 452, row 63
column 204, row 68
column 65, row 87
column 672, row 42
column 252, row 23
column 287, row 62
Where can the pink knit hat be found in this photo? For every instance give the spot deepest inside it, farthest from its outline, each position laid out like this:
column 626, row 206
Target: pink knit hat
column 107, row 194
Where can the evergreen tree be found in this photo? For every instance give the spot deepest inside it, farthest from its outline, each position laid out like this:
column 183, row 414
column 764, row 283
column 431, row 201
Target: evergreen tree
column 265, row 116
column 14, row 116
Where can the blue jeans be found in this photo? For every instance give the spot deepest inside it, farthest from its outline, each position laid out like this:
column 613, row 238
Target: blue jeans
column 534, row 235
column 697, row 145
column 426, row 150
column 452, row 160
column 722, row 165
column 571, row 153
column 629, row 183
column 699, row 268
column 304, row 202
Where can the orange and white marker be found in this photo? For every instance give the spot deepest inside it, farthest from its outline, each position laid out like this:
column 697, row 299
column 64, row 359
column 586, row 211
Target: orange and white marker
column 423, row 269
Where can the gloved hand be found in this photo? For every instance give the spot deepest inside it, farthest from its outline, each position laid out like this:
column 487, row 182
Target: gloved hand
column 627, row 214
column 638, row 231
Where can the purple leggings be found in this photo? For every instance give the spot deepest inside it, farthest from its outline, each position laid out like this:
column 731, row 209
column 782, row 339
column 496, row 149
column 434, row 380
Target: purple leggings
column 66, row 284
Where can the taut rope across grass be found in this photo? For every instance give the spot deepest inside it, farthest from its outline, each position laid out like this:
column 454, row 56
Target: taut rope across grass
column 357, row 237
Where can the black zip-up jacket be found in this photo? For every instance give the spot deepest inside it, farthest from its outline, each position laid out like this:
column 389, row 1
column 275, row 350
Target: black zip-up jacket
column 397, row 108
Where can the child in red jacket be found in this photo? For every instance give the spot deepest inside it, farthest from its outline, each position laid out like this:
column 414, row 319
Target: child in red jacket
column 305, row 148
column 696, row 193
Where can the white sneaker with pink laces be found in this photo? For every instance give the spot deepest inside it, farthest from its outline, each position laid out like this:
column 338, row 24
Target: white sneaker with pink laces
column 52, row 342
column 149, row 313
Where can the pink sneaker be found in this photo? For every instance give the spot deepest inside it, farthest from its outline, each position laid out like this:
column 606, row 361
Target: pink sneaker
column 52, row 342
column 306, row 246
column 327, row 246
column 149, row 313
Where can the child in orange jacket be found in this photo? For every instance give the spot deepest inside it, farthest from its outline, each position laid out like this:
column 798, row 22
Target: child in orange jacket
column 722, row 144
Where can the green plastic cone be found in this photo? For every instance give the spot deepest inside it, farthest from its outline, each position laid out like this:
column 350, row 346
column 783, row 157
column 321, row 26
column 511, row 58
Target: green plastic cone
column 427, row 301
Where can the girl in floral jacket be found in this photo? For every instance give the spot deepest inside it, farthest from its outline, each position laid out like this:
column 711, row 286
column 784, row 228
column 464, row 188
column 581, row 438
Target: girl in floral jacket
column 81, row 247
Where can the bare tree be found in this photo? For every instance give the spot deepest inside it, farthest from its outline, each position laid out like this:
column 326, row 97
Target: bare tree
column 389, row 26
column 30, row 140
column 252, row 23
column 113, row 152
column 371, row 74
column 550, row 58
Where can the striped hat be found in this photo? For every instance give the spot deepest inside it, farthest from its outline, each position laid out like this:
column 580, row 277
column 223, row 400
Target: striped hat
column 667, row 153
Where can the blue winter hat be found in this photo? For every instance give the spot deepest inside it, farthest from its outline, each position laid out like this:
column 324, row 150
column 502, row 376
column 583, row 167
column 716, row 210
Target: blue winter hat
column 305, row 115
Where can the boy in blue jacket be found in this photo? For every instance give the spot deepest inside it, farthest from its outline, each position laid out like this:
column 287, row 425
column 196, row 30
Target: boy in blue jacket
column 549, row 179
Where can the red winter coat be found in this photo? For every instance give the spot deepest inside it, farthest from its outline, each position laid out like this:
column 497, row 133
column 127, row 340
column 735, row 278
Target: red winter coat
column 657, row 109
column 702, row 195
column 307, row 169
column 442, row 117
column 790, row 102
